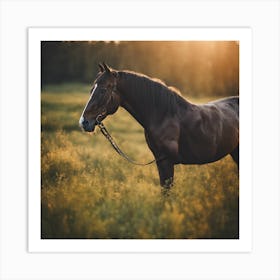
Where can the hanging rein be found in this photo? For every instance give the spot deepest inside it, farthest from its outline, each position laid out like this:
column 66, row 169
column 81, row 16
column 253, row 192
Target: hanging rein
column 108, row 136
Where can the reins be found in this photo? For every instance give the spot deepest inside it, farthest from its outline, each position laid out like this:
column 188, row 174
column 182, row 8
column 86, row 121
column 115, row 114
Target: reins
column 108, row 136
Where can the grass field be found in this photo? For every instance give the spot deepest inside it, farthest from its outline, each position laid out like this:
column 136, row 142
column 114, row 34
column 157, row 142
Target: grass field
column 88, row 191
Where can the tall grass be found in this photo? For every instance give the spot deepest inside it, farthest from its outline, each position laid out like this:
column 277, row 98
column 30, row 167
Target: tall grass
column 88, row 191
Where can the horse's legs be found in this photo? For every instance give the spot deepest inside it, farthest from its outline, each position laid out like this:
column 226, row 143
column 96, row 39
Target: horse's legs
column 235, row 155
column 164, row 164
column 166, row 172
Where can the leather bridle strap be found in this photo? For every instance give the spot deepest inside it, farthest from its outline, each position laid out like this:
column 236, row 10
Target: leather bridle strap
column 108, row 136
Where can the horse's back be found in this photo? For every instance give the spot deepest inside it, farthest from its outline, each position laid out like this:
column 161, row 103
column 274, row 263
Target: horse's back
column 228, row 103
column 210, row 131
column 227, row 111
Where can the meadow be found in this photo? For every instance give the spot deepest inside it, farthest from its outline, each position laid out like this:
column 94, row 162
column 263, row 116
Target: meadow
column 88, row 191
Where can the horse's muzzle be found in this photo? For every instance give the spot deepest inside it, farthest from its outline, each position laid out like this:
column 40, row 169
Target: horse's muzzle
column 87, row 125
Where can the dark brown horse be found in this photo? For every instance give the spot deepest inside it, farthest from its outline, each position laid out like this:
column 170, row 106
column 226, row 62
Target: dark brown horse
column 176, row 130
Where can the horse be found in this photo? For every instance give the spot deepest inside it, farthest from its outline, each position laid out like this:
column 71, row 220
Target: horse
column 176, row 130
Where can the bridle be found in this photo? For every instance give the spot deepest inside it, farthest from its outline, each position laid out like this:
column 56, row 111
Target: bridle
column 104, row 111
column 108, row 136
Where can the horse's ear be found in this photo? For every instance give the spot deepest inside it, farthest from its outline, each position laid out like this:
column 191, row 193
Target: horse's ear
column 106, row 68
column 101, row 67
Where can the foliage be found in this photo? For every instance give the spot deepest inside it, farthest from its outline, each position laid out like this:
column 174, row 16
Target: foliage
column 88, row 191
column 196, row 68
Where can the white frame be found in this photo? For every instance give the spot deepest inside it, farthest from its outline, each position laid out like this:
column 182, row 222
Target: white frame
column 243, row 35
column 262, row 16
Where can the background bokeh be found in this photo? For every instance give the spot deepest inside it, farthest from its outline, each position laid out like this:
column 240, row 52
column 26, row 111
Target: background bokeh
column 197, row 68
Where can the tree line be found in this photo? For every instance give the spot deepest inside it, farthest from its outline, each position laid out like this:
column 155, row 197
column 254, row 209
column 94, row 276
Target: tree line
column 196, row 68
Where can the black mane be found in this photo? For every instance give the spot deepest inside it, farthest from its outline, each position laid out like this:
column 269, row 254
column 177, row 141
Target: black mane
column 153, row 93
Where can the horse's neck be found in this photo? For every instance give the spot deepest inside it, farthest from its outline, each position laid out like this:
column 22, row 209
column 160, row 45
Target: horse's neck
column 133, row 103
column 146, row 111
column 135, row 111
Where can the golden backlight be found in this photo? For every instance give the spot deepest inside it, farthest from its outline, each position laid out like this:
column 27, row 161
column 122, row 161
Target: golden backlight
column 196, row 68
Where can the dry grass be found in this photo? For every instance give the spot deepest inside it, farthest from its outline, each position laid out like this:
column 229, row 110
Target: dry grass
column 90, row 192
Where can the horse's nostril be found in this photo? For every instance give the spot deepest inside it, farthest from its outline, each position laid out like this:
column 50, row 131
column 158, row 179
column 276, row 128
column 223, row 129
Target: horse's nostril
column 85, row 123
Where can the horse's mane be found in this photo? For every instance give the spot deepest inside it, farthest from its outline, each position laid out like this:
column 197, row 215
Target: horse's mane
column 152, row 92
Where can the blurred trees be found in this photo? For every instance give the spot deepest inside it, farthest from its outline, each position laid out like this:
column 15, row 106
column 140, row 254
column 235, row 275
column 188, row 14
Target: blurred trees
column 197, row 68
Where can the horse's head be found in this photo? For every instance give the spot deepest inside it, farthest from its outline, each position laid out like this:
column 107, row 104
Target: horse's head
column 104, row 99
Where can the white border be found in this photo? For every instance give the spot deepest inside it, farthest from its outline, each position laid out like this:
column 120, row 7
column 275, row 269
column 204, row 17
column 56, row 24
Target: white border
column 263, row 261
column 243, row 35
